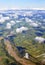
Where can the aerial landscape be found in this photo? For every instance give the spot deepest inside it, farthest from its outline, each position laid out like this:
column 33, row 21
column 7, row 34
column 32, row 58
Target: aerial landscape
column 22, row 36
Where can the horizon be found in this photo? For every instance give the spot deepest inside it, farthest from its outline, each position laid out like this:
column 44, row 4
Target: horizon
column 23, row 9
column 22, row 4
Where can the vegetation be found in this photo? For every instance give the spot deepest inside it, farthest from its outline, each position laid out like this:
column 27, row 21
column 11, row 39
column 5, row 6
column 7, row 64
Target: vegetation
column 33, row 48
column 5, row 58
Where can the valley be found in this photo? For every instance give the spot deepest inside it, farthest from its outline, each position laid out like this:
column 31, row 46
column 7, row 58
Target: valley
column 22, row 37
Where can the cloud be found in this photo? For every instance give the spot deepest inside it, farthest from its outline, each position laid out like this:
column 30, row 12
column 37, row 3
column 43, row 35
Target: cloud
column 43, row 20
column 43, row 27
column 34, row 24
column 29, row 13
column 19, row 30
column 18, row 21
column 31, row 22
column 2, row 19
column 39, row 39
column 6, row 18
column 12, row 22
column 38, row 8
column 28, row 20
column 1, row 15
column 39, row 23
column 16, row 15
column 8, row 26
column 24, row 28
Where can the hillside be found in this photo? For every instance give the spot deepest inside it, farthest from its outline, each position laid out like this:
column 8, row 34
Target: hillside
column 22, row 36
column 8, row 55
column 5, row 58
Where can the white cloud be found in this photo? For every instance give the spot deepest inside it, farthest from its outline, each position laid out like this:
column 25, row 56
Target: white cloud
column 15, row 16
column 31, row 22
column 24, row 28
column 6, row 18
column 43, row 27
column 34, row 24
column 19, row 30
column 29, row 13
column 12, row 22
column 39, row 39
column 8, row 26
column 28, row 20
column 2, row 20
column 19, row 8
column 39, row 23
column 38, row 15
column 38, row 8
column 43, row 20
column 1, row 15
column 18, row 21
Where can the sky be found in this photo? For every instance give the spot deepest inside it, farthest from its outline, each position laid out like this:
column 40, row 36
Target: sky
column 22, row 4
